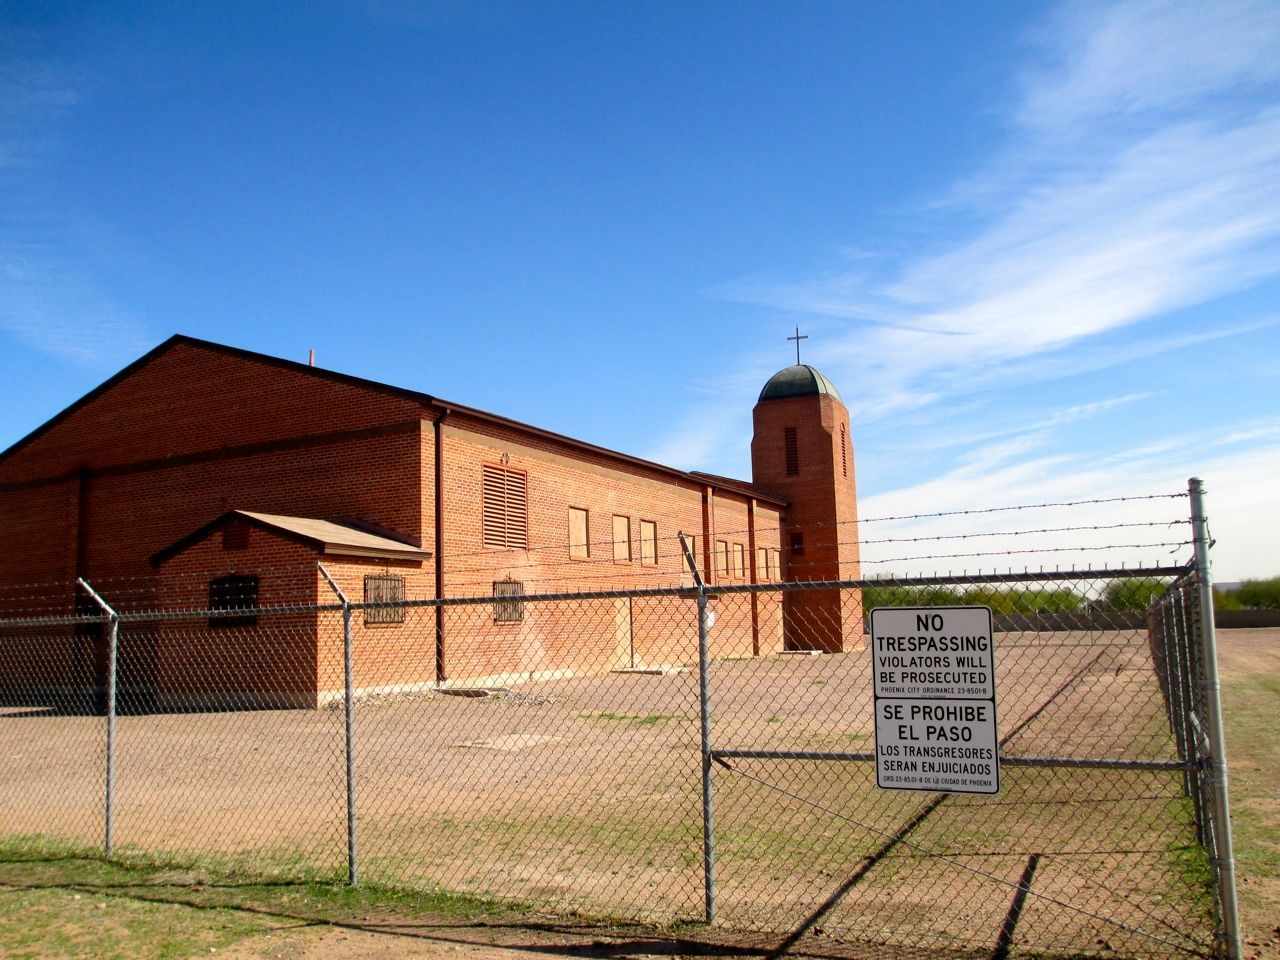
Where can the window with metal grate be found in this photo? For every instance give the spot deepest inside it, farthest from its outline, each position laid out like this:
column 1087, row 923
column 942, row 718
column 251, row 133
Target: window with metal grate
column 792, row 448
column 233, row 592
column 384, row 588
column 507, row 607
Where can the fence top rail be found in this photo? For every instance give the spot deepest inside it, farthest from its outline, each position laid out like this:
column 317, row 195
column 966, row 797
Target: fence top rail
column 679, row 592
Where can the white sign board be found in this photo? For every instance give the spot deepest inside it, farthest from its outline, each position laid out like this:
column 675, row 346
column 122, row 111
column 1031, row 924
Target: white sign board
column 935, row 707
column 932, row 652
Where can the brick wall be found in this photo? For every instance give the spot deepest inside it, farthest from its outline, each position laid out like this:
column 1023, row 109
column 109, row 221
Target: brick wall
column 270, row 663
column 196, row 431
column 185, row 438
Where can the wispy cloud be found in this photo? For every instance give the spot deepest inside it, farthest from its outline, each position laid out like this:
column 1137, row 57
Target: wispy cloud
column 1152, row 55
column 1080, row 224
column 52, row 258
column 33, row 95
column 1239, row 471
column 1170, row 219
column 1139, row 176
column 50, row 302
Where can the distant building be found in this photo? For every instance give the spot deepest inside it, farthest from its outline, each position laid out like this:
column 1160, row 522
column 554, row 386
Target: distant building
column 206, row 476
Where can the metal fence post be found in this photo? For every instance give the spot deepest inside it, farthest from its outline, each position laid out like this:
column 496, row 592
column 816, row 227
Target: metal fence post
column 349, row 710
column 1215, row 764
column 704, row 719
column 113, row 643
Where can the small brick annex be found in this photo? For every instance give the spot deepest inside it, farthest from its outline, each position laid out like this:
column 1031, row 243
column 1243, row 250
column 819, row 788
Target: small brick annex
column 140, row 481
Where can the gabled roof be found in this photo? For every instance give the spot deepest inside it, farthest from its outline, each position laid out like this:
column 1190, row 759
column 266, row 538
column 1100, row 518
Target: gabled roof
column 324, row 536
column 435, row 405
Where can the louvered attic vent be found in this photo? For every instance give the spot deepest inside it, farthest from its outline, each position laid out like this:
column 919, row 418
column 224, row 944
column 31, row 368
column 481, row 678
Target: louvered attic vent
column 506, row 508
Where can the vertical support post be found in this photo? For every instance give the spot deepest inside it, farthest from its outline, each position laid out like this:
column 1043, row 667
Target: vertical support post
column 1215, row 764
column 704, row 720
column 1186, row 696
column 113, row 647
column 349, row 711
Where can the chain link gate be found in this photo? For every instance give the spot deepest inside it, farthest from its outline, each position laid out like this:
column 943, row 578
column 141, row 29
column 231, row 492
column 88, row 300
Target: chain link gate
column 1090, row 843
column 677, row 753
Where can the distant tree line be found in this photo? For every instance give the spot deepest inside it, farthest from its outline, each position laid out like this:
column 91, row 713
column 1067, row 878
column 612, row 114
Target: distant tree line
column 1124, row 595
column 1001, row 600
column 1250, row 595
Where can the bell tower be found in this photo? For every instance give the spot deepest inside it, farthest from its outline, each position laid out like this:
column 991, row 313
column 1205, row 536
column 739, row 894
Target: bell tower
column 801, row 449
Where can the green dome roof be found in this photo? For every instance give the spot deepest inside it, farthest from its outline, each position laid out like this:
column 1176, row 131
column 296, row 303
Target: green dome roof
column 800, row 380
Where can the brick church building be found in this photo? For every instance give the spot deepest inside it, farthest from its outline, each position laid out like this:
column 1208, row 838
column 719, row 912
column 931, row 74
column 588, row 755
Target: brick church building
column 208, row 477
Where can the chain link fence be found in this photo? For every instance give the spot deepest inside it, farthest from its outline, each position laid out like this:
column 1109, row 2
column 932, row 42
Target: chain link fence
column 667, row 754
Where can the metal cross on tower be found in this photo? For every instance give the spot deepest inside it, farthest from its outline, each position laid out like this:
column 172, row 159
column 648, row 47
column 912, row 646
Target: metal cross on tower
column 797, row 338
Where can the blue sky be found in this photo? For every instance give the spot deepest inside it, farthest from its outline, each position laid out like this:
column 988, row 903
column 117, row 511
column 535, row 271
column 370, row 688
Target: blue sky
column 1036, row 246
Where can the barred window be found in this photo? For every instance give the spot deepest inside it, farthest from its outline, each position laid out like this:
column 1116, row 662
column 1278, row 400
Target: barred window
column 384, row 588
column 505, row 497
column 506, row 608
column 648, row 542
column 844, row 453
column 234, row 592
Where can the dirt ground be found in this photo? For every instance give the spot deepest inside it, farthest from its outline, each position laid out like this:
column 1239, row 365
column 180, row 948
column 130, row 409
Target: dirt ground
column 583, row 794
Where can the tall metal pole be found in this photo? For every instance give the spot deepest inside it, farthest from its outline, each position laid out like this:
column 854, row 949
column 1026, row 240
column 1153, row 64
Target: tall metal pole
column 1215, row 764
column 349, row 709
column 113, row 643
column 704, row 718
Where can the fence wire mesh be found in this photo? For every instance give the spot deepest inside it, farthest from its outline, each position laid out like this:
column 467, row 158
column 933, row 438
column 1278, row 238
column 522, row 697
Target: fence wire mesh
column 550, row 750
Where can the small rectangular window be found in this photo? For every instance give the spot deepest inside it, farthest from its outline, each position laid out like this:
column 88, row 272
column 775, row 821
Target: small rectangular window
column 792, row 447
column 234, row 592
column 797, row 544
column 621, row 538
column 739, row 561
column 579, row 534
column 384, row 588
column 762, row 565
column 722, row 557
column 505, row 508
column 507, row 607
column 844, row 453
column 775, row 564
column 648, row 542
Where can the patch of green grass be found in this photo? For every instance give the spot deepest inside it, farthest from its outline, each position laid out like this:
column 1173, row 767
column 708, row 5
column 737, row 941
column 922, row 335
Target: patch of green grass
column 59, row 900
column 1189, row 862
column 1251, row 713
column 640, row 719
